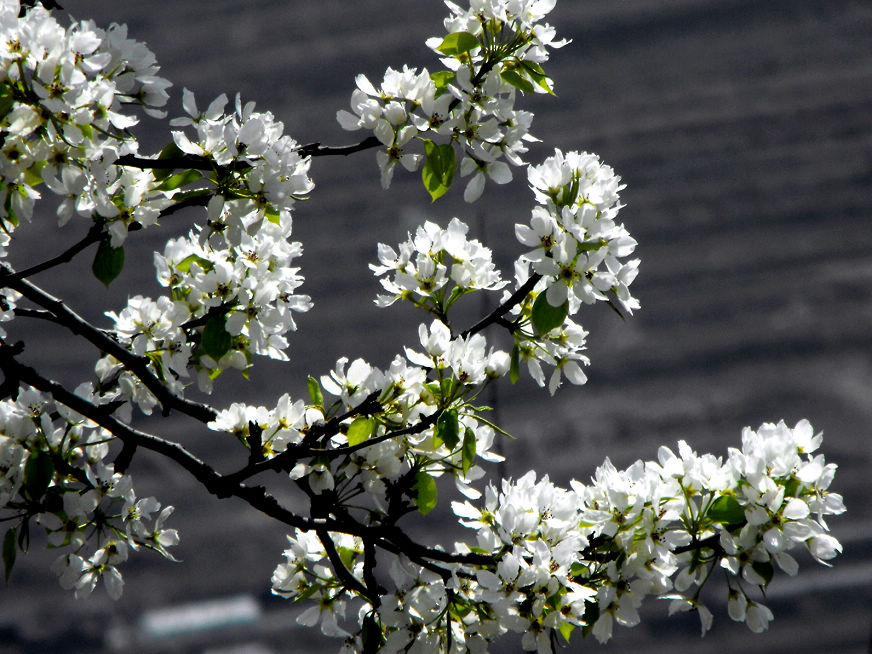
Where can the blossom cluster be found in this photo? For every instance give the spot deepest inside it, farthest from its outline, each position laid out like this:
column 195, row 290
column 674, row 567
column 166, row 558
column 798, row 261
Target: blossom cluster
column 54, row 472
column 547, row 561
column 492, row 50
column 232, row 284
column 62, row 97
column 435, row 267
column 586, row 557
column 432, row 389
column 577, row 245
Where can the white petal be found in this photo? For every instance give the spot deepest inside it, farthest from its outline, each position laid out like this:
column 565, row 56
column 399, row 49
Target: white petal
column 474, row 188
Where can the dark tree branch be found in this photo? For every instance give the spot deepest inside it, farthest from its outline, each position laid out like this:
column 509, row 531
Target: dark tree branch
column 391, row 540
column 318, row 150
column 496, row 316
column 81, row 327
column 198, row 162
column 344, row 574
column 94, row 235
column 287, row 459
column 185, row 161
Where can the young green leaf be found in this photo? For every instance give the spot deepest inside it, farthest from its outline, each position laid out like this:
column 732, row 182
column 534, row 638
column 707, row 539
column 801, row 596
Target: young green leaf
column 347, row 556
column 457, row 43
column 515, row 364
column 10, row 549
column 765, row 569
column 534, row 72
column 425, row 489
column 441, row 80
column 446, row 428
column 545, row 317
column 6, row 99
column 468, row 450
column 9, row 215
column 517, row 80
column 173, row 182
column 439, row 168
column 171, row 151
column 108, row 262
column 38, row 473
column 727, row 510
column 215, row 341
column 591, row 615
column 371, row 634
column 314, row 389
column 360, row 430
column 185, row 264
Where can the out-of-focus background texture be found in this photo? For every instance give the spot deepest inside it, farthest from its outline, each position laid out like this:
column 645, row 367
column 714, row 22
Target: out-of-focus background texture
column 743, row 131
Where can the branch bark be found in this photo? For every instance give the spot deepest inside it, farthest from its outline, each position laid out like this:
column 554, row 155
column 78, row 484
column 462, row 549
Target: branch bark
column 77, row 325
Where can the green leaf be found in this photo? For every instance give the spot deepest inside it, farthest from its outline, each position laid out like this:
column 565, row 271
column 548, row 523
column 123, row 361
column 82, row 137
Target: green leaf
column 457, row 43
column 566, row 629
column 10, row 549
column 371, row 634
column 360, row 430
column 215, row 341
column 315, row 391
column 185, row 264
column 108, row 262
column 438, row 171
column 347, row 556
column 310, row 590
column 38, row 473
column 171, row 151
column 534, row 72
column 515, row 364
column 468, row 450
column 727, row 510
column 591, row 615
column 765, row 569
column 441, row 80
column 7, row 99
column 791, row 488
column 425, row 490
column 185, row 196
column 32, row 176
column 545, row 317
column 592, row 245
column 517, row 80
column 9, row 215
column 446, row 429
column 184, row 178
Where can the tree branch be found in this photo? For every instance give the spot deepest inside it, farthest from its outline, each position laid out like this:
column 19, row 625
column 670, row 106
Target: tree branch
column 184, row 161
column 287, row 459
column 94, row 235
column 497, row 314
column 81, row 327
column 318, row 150
column 392, row 540
column 198, row 162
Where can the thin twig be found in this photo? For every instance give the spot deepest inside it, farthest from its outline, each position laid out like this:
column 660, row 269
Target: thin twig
column 392, row 540
column 318, row 150
column 94, row 235
column 497, row 314
column 136, row 364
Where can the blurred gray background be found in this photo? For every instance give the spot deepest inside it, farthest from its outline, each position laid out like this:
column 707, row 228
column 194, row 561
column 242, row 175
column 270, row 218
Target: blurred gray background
column 742, row 130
